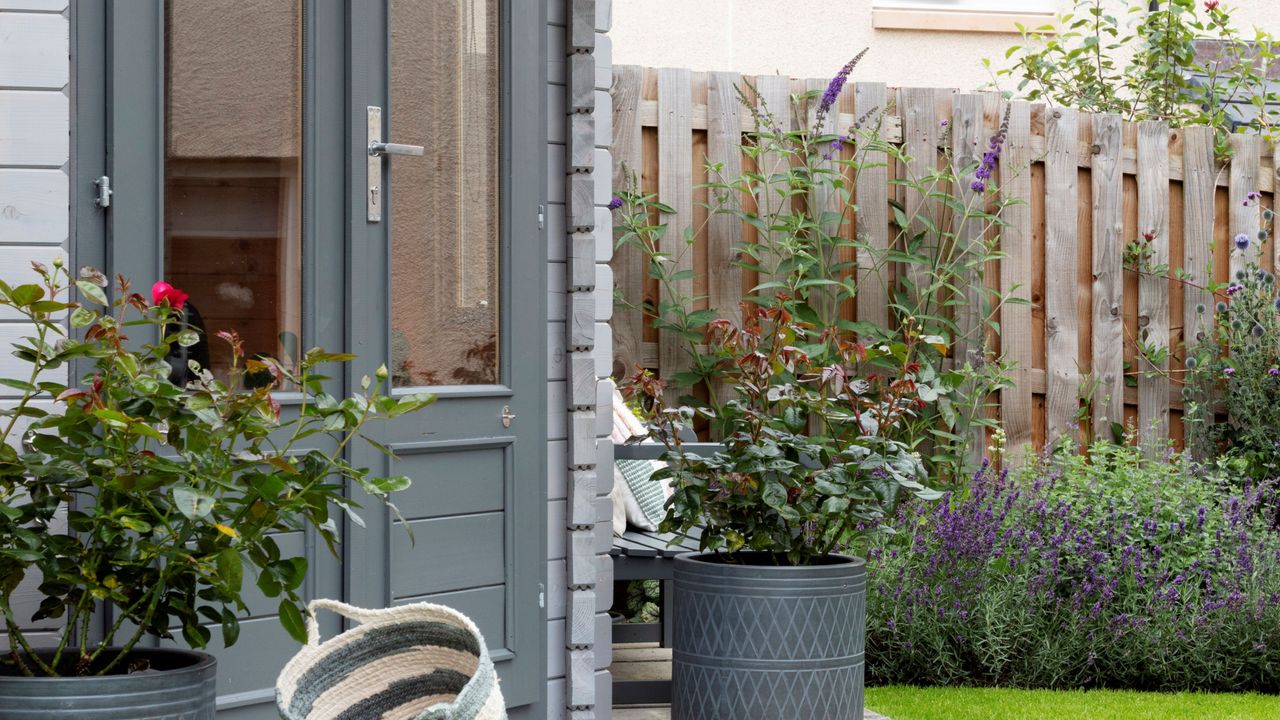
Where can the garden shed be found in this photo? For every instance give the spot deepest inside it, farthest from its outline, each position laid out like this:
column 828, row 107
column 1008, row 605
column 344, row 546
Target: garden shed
column 423, row 184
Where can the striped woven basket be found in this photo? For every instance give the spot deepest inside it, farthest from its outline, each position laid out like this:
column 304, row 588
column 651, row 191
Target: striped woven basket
column 413, row 662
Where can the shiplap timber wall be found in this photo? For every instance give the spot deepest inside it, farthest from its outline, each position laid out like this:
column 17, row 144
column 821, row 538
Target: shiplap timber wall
column 580, row 393
column 1087, row 186
column 35, row 121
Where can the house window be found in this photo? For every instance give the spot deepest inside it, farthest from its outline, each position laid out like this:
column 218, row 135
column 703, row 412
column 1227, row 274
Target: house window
column 962, row 15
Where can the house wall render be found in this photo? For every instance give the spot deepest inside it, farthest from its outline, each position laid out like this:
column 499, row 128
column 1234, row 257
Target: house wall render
column 813, row 38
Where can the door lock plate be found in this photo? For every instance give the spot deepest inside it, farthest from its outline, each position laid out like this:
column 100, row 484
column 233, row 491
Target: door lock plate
column 507, row 416
column 373, row 191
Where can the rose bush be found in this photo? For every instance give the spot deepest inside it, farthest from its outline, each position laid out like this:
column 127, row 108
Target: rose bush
column 172, row 495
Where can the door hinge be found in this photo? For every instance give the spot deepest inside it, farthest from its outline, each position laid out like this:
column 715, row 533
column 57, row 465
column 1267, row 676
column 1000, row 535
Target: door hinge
column 104, row 191
column 542, row 217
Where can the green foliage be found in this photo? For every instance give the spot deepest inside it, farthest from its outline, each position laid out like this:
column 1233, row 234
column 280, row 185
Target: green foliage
column 801, row 206
column 1139, row 66
column 1237, row 369
column 809, row 456
column 172, row 495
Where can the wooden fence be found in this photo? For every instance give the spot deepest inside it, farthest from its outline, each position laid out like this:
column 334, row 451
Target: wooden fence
column 1095, row 183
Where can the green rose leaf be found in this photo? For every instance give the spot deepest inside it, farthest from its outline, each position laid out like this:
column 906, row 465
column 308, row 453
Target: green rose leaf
column 230, row 568
column 192, row 503
column 82, row 317
column 291, row 619
column 24, row 295
column 92, row 292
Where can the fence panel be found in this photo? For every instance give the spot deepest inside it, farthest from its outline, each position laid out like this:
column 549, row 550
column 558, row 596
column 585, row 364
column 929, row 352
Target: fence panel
column 1086, row 187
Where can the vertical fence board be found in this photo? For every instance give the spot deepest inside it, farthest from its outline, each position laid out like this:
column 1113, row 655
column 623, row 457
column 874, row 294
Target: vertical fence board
column 1015, row 278
column 1199, row 186
column 920, row 136
column 1108, row 274
column 1061, row 323
column 773, row 96
column 872, row 192
column 1245, row 161
column 724, row 231
column 968, row 138
column 825, row 201
column 675, row 188
column 1153, row 289
column 628, row 262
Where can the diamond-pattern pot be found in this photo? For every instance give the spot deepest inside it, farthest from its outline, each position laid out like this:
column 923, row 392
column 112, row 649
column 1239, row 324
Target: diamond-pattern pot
column 180, row 686
column 768, row 642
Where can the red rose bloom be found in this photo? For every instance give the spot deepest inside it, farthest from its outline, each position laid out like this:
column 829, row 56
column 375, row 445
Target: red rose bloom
column 163, row 292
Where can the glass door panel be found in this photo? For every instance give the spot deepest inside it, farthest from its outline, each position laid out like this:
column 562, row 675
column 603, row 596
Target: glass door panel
column 445, row 234
column 232, row 171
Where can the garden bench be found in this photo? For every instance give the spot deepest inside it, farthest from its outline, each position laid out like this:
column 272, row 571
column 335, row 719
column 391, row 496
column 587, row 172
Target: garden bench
column 645, row 555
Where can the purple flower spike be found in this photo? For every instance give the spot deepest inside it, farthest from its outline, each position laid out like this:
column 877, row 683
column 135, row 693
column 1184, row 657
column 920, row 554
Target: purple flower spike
column 835, row 86
column 978, row 186
column 615, row 203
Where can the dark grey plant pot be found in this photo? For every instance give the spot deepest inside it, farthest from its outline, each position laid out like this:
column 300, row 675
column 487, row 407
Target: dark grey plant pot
column 181, row 687
column 755, row 641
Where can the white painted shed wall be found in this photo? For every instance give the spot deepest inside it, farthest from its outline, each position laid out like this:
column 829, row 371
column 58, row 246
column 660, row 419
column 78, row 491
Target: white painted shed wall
column 35, row 121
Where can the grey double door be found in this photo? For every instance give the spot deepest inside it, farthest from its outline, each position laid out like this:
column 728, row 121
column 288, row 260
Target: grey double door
column 237, row 136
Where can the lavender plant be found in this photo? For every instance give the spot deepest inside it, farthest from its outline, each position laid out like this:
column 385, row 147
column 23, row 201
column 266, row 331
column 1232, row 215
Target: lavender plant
column 1111, row 570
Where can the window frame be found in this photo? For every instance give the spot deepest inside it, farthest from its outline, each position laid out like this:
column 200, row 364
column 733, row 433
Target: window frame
column 959, row 15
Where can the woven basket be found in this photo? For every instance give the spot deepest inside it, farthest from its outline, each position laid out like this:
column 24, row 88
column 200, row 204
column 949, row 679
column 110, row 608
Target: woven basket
column 413, row 662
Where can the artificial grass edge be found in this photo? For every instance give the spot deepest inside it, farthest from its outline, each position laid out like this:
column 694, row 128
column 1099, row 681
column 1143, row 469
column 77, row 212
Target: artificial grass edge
column 901, row 702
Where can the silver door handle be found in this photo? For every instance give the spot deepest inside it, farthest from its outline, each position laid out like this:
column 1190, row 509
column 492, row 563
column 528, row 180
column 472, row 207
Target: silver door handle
column 380, row 148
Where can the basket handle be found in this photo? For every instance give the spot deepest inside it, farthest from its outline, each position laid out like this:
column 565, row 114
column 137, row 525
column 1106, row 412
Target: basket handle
column 351, row 612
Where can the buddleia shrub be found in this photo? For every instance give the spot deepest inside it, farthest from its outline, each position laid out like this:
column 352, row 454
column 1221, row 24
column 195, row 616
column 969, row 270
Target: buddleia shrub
column 1110, row 570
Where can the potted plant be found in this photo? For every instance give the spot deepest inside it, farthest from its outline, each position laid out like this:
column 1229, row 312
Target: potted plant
column 769, row 618
column 171, row 495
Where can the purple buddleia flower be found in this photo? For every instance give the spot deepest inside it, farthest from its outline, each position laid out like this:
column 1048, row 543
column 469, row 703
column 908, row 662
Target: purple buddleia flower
column 834, row 88
column 992, row 156
column 615, row 203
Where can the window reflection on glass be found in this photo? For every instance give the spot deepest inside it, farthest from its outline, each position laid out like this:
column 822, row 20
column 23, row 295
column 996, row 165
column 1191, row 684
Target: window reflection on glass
column 445, row 205
column 233, row 147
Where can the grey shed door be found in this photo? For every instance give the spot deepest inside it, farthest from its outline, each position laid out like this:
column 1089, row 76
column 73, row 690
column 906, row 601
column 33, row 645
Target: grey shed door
column 237, row 135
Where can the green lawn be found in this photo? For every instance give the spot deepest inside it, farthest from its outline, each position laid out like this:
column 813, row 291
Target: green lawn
column 910, row 703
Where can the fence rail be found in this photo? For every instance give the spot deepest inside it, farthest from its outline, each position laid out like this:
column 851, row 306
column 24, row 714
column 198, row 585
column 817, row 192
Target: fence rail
column 1087, row 186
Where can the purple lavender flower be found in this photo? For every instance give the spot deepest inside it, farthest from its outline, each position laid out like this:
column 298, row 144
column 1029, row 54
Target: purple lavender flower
column 615, row 203
column 978, row 186
column 1234, row 288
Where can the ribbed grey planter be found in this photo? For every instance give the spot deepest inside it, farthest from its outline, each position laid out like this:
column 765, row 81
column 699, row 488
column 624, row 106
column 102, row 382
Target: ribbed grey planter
column 768, row 642
column 182, row 689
